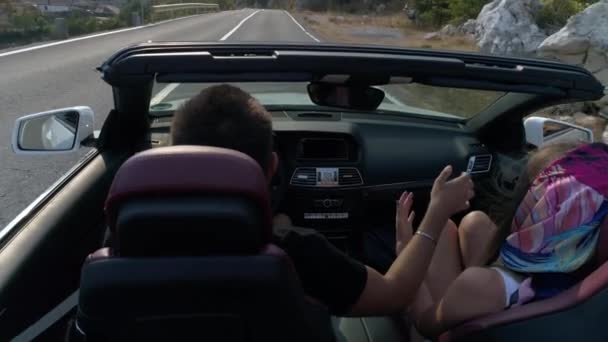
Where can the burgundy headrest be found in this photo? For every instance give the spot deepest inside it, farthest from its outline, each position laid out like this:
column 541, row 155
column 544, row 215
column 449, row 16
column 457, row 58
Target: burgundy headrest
column 189, row 171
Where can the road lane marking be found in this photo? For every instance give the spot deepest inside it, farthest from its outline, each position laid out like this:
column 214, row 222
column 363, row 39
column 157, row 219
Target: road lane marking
column 227, row 35
column 161, row 95
column 302, row 27
column 37, row 47
column 394, row 99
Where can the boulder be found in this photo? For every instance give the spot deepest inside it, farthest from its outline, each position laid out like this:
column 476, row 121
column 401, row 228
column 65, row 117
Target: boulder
column 595, row 60
column 583, row 41
column 583, row 31
column 449, row 30
column 571, row 59
column 468, row 27
column 603, row 104
column 432, row 36
column 564, row 112
column 563, row 43
column 507, row 27
column 595, row 123
column 602, row 76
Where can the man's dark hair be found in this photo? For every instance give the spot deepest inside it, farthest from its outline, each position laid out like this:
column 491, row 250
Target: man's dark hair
column 225, row 116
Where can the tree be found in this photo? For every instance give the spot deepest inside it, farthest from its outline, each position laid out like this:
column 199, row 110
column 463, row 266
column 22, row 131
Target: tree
column 432, row 12
column 29, row 21
column 462, row 10
column 555, row 13
column 135, row 6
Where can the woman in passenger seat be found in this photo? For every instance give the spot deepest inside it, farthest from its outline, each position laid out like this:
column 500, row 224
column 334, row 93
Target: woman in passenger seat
column 552, row 236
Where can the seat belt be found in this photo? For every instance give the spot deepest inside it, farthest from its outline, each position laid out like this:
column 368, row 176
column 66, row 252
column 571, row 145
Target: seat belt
column 47, row 321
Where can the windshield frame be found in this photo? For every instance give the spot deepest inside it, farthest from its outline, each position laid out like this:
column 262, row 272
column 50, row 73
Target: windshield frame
column 132, row 71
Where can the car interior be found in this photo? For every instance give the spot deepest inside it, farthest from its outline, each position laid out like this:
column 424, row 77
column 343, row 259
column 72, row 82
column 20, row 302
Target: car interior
column 189, row 222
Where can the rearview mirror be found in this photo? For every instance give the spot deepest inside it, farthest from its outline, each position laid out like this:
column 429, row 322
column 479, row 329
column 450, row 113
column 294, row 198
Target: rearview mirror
column 55, row 131
column 542, row 131
column 345, row 96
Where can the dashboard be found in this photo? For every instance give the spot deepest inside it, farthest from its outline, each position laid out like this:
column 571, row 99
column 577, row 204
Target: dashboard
column 346, row 171
column 342, row 172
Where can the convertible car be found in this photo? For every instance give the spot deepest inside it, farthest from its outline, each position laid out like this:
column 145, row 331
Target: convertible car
column 354, row 127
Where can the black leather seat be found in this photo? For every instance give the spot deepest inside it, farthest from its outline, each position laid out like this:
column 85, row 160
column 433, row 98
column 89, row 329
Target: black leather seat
column 192, row 257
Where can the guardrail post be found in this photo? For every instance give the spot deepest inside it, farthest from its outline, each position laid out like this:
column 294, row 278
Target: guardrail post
column 188, row 8
column 60, row 28
column 135, row 19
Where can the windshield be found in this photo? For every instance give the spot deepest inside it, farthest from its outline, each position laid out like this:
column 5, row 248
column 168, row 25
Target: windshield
column 417, row 99
column 49, row 51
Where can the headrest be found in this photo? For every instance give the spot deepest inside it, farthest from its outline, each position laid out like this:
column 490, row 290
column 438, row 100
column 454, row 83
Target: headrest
column 189, row 200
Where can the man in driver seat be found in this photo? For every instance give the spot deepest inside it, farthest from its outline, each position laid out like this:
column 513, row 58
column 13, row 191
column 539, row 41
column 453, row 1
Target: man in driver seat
column 226, row 116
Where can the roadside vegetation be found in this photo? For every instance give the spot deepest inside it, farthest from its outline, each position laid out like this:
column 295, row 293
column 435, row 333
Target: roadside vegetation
column 22, row 23
column 411, row 23
column 436, row 13
column 383, row 29
column 333, row 19
column 555, row 13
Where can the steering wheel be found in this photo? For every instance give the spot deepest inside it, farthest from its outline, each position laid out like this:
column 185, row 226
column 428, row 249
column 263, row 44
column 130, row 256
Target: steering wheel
column 278, row 185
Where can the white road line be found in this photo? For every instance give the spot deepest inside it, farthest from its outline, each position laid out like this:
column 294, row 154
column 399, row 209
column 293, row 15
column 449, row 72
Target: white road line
column 37, row 47
column 160, row 96
column 394, row 99
column 302, row 27
column 163, row 93
column 227, row 35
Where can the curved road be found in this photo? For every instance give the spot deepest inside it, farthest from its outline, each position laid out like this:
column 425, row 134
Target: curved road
column 63, row 75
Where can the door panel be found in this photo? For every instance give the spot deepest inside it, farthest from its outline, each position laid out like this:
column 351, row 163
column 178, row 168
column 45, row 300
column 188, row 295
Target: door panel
column 40, row 265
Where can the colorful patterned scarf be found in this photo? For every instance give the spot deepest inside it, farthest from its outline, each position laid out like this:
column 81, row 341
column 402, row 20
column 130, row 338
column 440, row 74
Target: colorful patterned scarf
column 556, row 227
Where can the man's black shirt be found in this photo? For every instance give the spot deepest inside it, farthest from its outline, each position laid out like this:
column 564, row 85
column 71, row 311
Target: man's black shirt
column 326, row 273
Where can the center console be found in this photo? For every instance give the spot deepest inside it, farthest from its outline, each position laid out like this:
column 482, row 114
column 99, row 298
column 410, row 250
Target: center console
column 326, row 196
column 324, row 187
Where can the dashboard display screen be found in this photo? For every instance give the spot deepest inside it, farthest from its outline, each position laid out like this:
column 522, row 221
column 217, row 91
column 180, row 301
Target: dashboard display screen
column 327, row 176
column 323, row 149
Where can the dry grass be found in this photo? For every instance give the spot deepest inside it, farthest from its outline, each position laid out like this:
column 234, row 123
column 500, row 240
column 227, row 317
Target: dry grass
column 334, row 27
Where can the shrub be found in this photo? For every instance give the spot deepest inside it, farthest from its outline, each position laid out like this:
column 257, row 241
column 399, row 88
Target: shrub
column 555, row 13
column 78, row 24
column 29, row 21
column 227, row 4
column 462, row 10
column 433, row 12
column 110, row 24
column 135, row 6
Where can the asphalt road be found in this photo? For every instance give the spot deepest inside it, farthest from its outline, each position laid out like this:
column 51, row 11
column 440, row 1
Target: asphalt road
column 64, row 75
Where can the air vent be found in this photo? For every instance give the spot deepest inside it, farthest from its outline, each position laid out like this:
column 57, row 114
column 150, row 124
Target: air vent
column 305, row 176
column 279, row 115
column 310, row 176
column 480, row 164
column 349, row 177
column 315, row 116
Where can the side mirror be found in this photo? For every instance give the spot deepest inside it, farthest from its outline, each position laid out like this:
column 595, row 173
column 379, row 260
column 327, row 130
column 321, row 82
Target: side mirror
column 55, row 131
column 542, row 131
